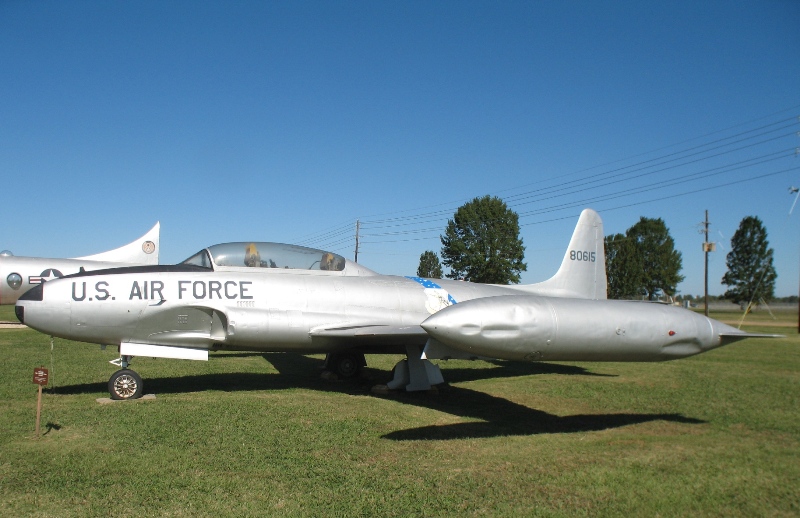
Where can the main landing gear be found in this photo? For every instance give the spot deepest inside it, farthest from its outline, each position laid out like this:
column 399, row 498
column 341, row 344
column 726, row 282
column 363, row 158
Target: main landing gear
column 125, row 383
column 345, row 364
column 412, row 374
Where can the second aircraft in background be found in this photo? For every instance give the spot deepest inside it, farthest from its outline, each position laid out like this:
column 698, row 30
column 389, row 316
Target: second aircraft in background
column 19, row 274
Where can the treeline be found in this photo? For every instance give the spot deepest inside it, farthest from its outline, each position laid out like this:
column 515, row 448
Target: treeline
column 721, row 298
column 481, row 243
column 643, row 263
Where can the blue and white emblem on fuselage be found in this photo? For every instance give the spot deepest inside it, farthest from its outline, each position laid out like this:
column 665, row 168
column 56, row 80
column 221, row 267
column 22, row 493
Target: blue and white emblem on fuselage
column 436, row 297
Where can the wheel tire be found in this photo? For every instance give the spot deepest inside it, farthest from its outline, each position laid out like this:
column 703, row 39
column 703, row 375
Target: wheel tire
column 347, row 365
column 125, row 384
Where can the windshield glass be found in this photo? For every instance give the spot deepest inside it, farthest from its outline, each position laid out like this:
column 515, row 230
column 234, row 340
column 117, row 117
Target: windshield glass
column 274, row 255
column 199, row 259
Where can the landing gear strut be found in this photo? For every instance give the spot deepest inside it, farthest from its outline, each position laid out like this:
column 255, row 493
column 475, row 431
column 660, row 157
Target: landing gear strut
column 125, row 383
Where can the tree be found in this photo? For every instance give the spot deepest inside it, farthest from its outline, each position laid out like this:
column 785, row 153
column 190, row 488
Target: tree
column 429, row 265
column 751, row 275
column 623, row 268
column 642, row 262
column 482, row 244
column 660, row 262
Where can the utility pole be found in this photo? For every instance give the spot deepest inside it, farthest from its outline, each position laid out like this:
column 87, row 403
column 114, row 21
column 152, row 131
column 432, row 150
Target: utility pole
column 796, row 191
column 358, row 227
column 707, row 247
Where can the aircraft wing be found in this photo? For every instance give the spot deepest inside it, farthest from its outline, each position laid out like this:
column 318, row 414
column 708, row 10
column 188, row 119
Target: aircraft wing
column 370, row 337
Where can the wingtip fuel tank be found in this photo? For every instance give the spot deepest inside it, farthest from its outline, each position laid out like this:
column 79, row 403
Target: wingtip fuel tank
column 525, row 327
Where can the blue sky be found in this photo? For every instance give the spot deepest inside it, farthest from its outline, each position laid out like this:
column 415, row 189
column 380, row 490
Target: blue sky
column 289, row 121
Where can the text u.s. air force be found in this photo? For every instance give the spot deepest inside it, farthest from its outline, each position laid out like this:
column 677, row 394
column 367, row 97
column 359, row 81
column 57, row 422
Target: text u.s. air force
column 153, row 290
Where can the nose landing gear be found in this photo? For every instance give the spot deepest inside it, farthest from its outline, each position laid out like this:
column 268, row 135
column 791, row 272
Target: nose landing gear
column 125, row 383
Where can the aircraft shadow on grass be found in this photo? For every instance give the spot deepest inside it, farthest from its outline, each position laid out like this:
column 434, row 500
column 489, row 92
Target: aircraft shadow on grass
column 500, row 417
column 511, row 369
column 495, row 416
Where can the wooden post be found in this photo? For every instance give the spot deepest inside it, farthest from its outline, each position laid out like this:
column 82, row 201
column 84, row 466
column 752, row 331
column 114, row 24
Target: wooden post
column 38, row 411
column 40, row 376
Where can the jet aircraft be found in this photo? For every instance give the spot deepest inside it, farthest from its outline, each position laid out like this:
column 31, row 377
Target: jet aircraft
column 253, row 296
column 19, row 274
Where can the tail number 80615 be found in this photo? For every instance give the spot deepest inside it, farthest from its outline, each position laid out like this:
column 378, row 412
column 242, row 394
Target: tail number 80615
column 582, row 255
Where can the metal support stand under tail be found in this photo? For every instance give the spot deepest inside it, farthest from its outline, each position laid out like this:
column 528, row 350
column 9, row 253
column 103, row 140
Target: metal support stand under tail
column 414, row 373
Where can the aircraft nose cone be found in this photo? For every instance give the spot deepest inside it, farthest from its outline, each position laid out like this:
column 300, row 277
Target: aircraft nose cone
column 46, row 316
column 35, row 293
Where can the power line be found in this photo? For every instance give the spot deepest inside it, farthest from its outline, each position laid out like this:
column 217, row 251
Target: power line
column 423, row 224
column 609, row 209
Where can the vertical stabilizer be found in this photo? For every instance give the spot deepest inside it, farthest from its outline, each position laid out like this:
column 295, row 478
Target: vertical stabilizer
column 141, row 251
column 583, row 271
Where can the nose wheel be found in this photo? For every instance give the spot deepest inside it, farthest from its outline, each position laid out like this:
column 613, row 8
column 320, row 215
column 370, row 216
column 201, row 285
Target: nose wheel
column 125, row 384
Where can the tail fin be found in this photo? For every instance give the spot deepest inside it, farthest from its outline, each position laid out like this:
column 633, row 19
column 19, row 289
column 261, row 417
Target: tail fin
column 583, row 271
column 140, row 251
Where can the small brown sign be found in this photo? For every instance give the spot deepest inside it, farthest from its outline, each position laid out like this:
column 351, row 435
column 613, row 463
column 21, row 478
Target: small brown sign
column 40, row 375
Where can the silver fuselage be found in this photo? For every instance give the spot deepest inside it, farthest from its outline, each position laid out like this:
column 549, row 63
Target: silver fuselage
column 237, row 309
column 314, row 311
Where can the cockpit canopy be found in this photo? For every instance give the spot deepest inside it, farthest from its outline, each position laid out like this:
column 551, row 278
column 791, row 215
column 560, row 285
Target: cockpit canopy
column 267, row 255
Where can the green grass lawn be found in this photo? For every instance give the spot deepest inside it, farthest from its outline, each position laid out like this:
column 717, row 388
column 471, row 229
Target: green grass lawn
column 261, row 434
